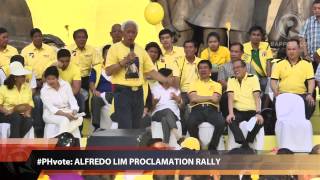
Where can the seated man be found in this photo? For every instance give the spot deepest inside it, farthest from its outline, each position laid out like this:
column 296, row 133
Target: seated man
column 236, row 51
column 243, row 102
column 101, row 89
column 225, row 72
column 187, row 73
column 166, row 106
column 70, row 73
column 204, row 95
column 290, row 75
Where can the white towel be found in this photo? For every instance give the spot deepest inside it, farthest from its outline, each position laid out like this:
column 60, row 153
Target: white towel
column 293, row 130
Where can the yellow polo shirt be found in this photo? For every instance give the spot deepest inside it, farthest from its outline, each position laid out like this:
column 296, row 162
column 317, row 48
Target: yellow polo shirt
column 6, row 54
column 265, row 54
column 39, row 59
column 292, row 78
column 172, row 56
column 161, row 63
column 187, row 72
column 243, row 92
column 85, row 59
column 220, row 57
column 132, row 75
column 9, row 98
column 205, row 88
column 72, row 73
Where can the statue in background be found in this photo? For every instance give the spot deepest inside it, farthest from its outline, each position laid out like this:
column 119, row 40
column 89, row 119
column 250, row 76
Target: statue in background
column 176, row 12
column 214, row 15
column 196, row 18
column 15, row 16
column 290, row 19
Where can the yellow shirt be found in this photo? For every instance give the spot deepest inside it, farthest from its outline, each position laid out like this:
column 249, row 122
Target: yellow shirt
column 172, row 56
column 220, row 57
column 292, row 78
column 39, row 59
column 6, row 54
column 85, row 59
column 188, row 72
column 9, row 98
column 72, row 73
column 243, row 92
column 205, row 88
column 161, row 63
column 265, row 54
column 131, row 75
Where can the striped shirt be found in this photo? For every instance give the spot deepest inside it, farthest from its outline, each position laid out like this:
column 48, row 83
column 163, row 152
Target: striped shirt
column 317, row 75
column 226, row 71
column 311, row 33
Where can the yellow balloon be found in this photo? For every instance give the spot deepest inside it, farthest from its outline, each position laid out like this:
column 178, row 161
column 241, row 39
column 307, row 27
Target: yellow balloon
column 154, row 13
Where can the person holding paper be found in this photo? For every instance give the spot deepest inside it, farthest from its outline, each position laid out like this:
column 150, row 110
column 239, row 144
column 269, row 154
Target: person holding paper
column 59, row 105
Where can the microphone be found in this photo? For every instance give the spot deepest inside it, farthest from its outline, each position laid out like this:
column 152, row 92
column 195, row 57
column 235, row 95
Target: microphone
column 131, row 47
column 132, row 50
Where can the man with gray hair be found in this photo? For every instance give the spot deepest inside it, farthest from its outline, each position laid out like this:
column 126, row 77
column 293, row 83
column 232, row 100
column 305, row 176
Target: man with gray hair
column 127, row 63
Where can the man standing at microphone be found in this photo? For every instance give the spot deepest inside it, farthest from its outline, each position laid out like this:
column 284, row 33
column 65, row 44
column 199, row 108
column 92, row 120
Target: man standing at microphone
column 127, row 64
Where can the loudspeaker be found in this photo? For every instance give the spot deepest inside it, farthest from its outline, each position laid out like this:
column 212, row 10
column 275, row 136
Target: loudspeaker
column 119, row 137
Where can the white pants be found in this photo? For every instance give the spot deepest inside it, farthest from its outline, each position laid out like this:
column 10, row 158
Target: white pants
column 63, row 123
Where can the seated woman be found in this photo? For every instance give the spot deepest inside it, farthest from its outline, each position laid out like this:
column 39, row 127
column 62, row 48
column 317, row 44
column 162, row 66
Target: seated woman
column 16, row 101
column 215, row 53
column 59, row 105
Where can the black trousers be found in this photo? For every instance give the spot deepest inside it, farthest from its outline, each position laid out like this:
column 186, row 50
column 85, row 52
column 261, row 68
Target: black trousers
column 224, row 104
column 237, row 133
column 37, row 113
column 308, row 109
column 128, row 106
column 85, row 86
column 96, row 104
column 184, row 112
column 206, row 113
column 19, row 125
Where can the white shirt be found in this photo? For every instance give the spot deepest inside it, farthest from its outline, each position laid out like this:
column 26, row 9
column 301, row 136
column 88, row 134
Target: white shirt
column 61, row 99
column 33, row 82
column 159, row 92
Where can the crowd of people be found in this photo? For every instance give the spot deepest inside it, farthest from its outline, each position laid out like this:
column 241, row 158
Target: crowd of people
column 156, row 83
